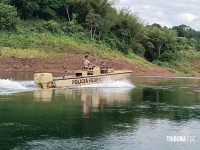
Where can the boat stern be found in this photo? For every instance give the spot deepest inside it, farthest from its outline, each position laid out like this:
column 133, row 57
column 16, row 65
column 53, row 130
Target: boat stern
column 43, row 80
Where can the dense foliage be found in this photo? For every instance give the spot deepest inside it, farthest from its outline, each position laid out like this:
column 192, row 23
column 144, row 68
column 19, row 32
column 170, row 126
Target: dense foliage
column 99, row 21
column 8, row 16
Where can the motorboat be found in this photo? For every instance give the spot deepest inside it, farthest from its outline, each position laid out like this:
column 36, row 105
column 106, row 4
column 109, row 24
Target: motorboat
column 91, row 75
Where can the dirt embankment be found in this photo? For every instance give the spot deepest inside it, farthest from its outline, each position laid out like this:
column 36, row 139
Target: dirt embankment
column 73, row 61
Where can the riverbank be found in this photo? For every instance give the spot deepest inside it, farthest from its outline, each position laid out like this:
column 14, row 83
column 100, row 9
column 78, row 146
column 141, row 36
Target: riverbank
column 47, row 52
column 73, row 61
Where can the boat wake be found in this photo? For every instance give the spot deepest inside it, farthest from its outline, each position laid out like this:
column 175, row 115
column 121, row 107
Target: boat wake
column 9, row 86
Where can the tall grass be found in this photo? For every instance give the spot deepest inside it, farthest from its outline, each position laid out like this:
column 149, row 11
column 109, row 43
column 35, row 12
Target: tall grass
column 6, row 52
column 31, row 36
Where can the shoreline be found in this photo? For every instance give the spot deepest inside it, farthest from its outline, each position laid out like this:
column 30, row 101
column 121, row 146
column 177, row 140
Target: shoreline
column 71, row 62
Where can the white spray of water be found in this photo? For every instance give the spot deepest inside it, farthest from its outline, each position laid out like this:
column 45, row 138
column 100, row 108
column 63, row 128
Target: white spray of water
column 8, row 86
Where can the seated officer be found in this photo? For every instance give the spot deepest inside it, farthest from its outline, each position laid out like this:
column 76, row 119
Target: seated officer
column 103, row 67
column 103, row 64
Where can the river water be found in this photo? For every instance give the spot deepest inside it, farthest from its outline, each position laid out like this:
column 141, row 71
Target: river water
column 140, row 113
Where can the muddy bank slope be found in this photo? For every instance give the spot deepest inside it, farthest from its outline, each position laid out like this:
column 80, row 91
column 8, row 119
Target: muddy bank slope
column 72, row 61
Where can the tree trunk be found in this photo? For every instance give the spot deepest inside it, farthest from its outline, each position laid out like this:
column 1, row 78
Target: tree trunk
column 94, row 32
column 159, row 48
column 68, row 14
column 66, row 8
column 91, row 30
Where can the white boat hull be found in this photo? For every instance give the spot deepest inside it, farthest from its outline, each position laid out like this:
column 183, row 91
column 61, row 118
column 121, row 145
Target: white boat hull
column 71, row 81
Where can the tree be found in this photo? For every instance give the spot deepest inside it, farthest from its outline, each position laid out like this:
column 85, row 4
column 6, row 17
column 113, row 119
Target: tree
column 107, row 22
column 46, row 9
column 128, row 27
column 8, row 16
column 5, row 2
column 155, row 25
column 66, row 4
column 93, row 22
column 159, row 41
column 183, row 30
column 26, row 8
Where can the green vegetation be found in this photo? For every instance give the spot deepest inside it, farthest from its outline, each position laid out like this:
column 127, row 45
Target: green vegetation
column 54, row 27
column 8, row 16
